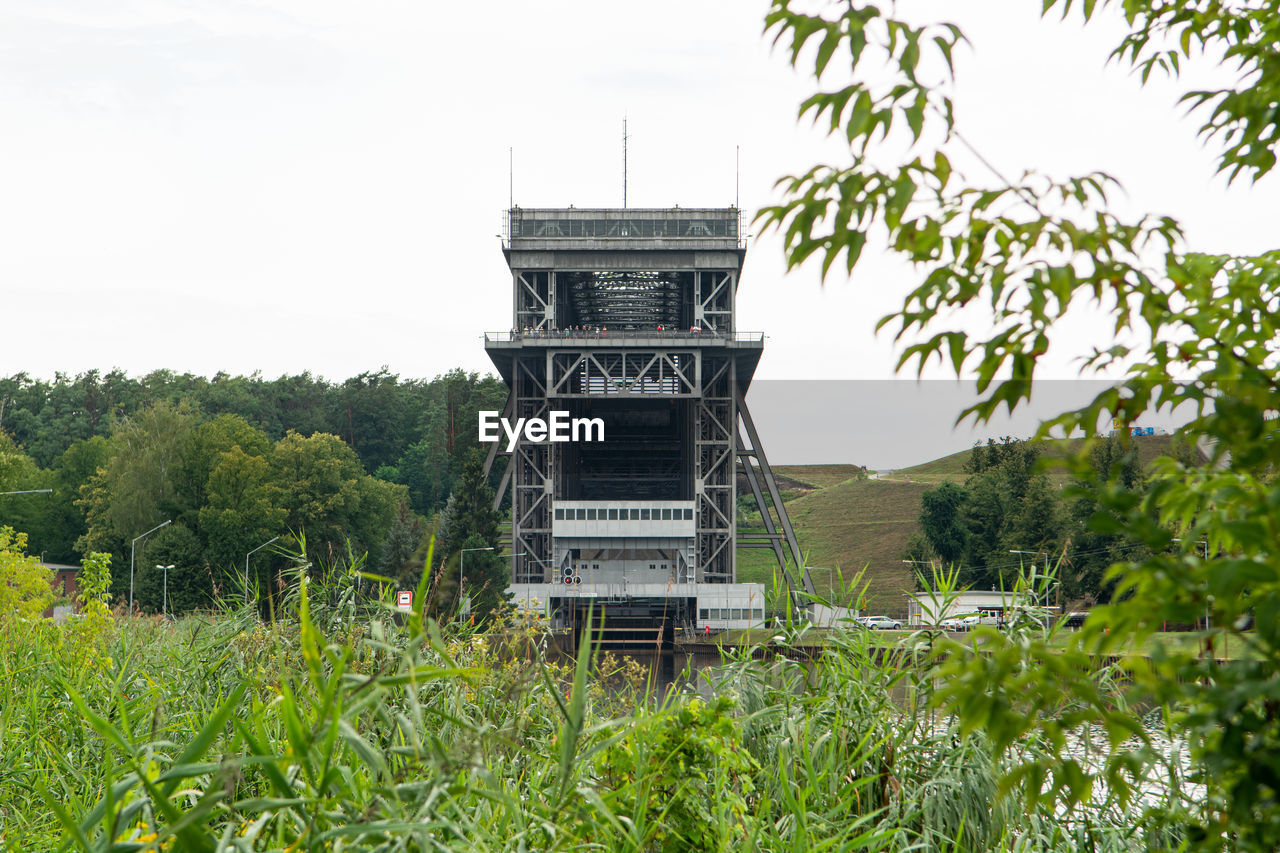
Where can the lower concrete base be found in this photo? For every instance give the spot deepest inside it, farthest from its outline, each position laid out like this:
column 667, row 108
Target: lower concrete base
column 681, row 605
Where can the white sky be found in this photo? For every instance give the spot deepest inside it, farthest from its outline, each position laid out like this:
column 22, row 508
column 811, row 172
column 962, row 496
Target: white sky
column 286, row 186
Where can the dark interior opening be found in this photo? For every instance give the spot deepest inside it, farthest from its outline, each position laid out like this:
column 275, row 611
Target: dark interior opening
column 643, row 455
column 624, row 301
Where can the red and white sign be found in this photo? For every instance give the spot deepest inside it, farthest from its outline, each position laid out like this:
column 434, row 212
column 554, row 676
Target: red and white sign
column 404, row 598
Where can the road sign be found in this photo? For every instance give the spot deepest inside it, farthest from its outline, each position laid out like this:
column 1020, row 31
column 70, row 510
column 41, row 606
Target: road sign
column 404, row 598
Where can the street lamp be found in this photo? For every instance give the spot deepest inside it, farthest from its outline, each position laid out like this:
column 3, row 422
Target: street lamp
column 132, row 549
column 246, row 565
column 929, row 563
column 28, row 492
column 532, row 559
column 1205, row 544
column 935, row 604
column 1044, row 554
column 1045, row 566
column 164, row 609
column 462, row 561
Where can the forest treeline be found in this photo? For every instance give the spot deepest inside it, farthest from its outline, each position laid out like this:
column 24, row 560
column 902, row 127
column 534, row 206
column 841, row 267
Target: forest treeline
column 232, row 461
column 1009, row 512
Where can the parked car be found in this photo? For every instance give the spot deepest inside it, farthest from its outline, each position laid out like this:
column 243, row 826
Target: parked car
column 881, row 623
column 961, row 623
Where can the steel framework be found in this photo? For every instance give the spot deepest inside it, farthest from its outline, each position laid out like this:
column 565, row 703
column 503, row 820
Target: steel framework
column 629, row 316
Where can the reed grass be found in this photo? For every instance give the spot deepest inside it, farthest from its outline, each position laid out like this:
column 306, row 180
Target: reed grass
column 345, row 725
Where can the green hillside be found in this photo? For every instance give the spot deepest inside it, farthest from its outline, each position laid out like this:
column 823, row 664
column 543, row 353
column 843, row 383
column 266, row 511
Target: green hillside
column 950, row 469
column 820, row 476
column 847, row 525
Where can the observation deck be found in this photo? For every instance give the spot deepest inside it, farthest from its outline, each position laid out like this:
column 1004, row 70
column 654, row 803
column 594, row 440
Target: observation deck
column 627, row 229
column 745, row 347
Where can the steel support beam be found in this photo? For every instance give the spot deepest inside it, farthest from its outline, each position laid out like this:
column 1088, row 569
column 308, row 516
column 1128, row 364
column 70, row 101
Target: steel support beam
column 772, row 537
column 492, row 455
column 772, row 485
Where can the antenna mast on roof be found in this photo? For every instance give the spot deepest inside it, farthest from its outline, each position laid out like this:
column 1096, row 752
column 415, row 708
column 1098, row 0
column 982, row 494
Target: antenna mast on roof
column 737, row 173
column 624, row 161
column 511, row 180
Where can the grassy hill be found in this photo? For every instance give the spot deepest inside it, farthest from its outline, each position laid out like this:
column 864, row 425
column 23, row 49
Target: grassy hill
column 819, row 476
column 950, row 469
column 848, row 525
column 846, row 528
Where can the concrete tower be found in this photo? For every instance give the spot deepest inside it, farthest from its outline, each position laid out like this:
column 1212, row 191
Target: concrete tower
column 628, row 316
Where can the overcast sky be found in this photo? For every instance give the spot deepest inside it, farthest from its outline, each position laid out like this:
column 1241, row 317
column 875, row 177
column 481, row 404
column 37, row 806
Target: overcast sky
column 289, row 186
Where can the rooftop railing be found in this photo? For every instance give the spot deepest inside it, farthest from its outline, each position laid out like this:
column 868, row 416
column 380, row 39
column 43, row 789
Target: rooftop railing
column 689, row 224
column 577, row 335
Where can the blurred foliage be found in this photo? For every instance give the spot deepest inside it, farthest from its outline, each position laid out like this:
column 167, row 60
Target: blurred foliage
column 1001, row 264
column 342, row 724
column 25, row 584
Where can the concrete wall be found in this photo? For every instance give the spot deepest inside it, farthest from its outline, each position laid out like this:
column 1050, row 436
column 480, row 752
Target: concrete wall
column 624, row 559
column 722, row 606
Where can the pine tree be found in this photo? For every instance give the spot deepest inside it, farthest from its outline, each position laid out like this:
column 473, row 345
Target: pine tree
column 399, row 547
column 472, row 524
column 472, row 511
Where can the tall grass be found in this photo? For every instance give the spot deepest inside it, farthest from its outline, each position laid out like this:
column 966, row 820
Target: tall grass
column 346, row 725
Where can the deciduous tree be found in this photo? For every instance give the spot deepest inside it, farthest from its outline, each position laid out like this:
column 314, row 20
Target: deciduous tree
column 244, row 507
column 25, row 583
column 139, row 483
column 190, row 581
column 326, row 494
column 941, row 521
column 1201, row 331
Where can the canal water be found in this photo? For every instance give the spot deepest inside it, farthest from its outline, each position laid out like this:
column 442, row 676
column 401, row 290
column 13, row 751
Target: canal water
column 700, row 672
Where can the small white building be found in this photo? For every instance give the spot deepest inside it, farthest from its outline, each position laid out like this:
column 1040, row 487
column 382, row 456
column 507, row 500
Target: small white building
column 992, row 607
column 826, row 616
column 731, row 605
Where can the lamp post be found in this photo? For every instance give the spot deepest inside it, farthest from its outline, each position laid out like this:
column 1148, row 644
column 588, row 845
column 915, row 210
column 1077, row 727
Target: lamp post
column 462, row 559
column 930, row 563
column 831, row 582
column 933, row 594
column 1204, row 543
column 164, row 608
column 27, row 492
column 1045, row 566
column 525, row 553
column 528, row 596
column 132, row 551
column 532, row 559
column 246, row 565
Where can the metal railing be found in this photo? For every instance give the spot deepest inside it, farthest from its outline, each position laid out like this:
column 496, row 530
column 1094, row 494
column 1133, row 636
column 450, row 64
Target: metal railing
column 634, row 223
column 717, row 226
column 577, row 336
